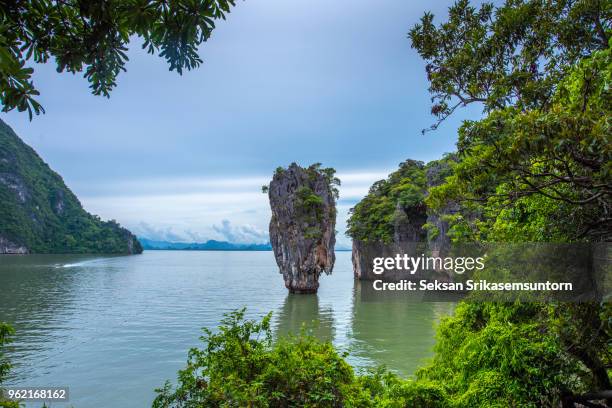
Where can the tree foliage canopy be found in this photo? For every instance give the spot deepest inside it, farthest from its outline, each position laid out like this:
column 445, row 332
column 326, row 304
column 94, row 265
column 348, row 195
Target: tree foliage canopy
column 536, row 167
column 512, row 55
column 92, row 37
column 563, row 153
column 542, row 70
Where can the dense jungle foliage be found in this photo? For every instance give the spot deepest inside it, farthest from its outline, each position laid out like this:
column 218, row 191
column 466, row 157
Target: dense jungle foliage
column 39, row 212
column 488, row 355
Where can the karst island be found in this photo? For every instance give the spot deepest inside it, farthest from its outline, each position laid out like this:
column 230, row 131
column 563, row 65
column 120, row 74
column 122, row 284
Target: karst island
column 302, row 227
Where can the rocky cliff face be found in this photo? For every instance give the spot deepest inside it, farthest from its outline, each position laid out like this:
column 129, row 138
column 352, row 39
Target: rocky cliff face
column 404, row 242
column 39, row 213
column 408, row 237
column 8, row 247
column 439, row 242
column 302, row 228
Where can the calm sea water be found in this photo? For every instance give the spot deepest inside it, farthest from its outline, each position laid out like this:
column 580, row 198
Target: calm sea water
column 112, row 329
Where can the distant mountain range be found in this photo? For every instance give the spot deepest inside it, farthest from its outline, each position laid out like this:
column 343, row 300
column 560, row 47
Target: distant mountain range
column 210, row 245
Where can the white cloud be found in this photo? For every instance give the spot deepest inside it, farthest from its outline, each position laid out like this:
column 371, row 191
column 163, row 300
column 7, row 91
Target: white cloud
column 241, row 233
column 147, row 231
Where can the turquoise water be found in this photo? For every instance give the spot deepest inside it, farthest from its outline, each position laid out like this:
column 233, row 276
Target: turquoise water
column 112, row 329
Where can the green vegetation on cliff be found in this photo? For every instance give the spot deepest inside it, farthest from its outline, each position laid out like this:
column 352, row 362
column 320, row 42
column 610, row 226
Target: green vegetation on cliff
column 373, row 218
column 38, row 211
column 535, row 168
column 401, row 195
column 310, row 207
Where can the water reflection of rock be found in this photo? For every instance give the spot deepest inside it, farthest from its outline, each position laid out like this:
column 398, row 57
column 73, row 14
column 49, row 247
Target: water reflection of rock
column 393, row 328
column 304, row 310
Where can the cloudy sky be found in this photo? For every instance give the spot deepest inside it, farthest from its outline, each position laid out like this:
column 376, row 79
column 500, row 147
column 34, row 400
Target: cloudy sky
column 183, row 158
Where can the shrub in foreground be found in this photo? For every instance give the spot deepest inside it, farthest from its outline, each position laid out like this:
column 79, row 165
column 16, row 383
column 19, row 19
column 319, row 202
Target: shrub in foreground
column 487, row 355
column 502, row 355
column 6, row 332
column 240, row 366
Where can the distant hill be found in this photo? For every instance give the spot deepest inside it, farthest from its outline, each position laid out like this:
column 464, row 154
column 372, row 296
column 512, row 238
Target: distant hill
column 39, row 214
column 210, row 245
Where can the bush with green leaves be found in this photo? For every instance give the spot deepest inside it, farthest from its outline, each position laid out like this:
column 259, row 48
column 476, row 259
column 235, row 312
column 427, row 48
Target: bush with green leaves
column 384, row 389
column 502, row 355
column 241, row 366
column 6, row 332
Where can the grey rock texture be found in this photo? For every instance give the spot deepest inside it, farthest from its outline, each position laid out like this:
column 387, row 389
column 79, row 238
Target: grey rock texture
column 8, row 247
column 302, row 227
column 440, row 243
column 408, row 238
column 15, row 183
